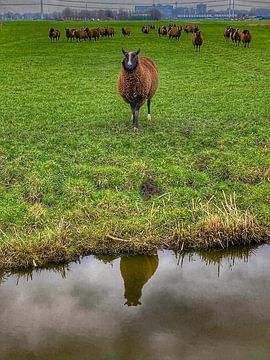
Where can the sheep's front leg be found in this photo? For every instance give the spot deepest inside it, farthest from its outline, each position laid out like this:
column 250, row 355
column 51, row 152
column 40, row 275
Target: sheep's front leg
column 136, row 119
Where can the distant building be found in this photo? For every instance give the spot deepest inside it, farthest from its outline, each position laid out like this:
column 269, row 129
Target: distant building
column 165, row 10
column 201, row 9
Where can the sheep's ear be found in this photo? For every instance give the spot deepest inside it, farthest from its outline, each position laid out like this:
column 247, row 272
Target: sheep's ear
column 124, row 51
column 138, row 51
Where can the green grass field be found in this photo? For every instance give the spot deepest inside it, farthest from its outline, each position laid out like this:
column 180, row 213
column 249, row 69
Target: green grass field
column 71, row 165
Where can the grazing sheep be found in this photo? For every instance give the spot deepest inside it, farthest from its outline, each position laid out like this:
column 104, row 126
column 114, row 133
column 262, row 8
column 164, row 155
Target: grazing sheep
column 232, row 31
column 227, row 33
column 92, row 33
column 246, row 37
column 145, row 29
column 197, row 40
column 137, row 82
column 162, row 30
column 175, row 32
column 188, row 29
column 70, row 34
column 109, row 32
column 126, row 31
column 191, row 29
column 102, row 32
column 81, row 34
column 236, row 37
column 54, row 34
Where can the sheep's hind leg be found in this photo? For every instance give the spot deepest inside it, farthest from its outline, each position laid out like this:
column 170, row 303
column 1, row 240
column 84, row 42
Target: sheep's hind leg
column 149, row 118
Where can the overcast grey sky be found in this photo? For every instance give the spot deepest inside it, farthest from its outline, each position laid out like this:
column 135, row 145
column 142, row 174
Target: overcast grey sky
column 34, row 5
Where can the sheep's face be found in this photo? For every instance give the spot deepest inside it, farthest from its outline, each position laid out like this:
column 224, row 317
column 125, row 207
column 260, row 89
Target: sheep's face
column 130, row 61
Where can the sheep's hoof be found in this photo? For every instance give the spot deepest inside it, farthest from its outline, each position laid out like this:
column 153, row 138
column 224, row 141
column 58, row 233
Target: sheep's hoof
column 149, row 117
column 136, row 130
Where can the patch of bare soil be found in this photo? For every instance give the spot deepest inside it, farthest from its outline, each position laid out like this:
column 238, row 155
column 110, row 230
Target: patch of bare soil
column 148, row 188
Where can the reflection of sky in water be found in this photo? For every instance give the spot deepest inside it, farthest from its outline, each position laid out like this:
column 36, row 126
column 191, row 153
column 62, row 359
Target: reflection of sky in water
column 187, row 312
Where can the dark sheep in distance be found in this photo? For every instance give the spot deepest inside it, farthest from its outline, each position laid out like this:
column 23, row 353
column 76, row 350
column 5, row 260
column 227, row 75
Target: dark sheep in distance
column 236, row 37
column 137, row 82
column 70, row 34
column 145, row 29
column 102, row 32
column 197, row 40
column 54, row 34
column 92, row 33
column 81, row 34
column 175, row 32
column 232, row 31
column 189, row 29
column 246, row 37
column 110, row 32
column 126, row 31
column 227, row 33
column 162, row 30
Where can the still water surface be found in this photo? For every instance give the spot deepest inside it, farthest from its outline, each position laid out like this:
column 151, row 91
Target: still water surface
column 198, row 306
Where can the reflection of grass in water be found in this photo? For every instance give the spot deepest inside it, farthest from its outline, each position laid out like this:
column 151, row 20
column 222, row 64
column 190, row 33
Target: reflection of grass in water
column 28, row 274
column 107, row 259
column 217, row 256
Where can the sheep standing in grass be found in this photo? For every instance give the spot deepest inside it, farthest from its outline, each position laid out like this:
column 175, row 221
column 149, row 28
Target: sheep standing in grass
column 197, row 40
column 227, row 33
column 54, row 34
column 126, row 31
column 236, row 37
column 137, row 82
column 175, row 32
column 246, row 37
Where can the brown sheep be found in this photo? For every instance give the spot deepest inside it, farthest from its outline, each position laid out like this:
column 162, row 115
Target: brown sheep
column 70, row 34
column 54, row 34
column 236, row 37
column 137, row 82
column 197, row 40
column 92, row 33
column 246, row 37
column 232, row 31
column 162, row 30
column 189, row 29
column 145, row 29
column 102, row 32
column 109, row 32
column 126, row 31
column 175, row 32
column 227, row 33
column 81, row 34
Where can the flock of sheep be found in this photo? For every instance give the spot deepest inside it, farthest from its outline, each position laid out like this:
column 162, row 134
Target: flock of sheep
column 237, row 36
column 172, row 31
column 138, row 77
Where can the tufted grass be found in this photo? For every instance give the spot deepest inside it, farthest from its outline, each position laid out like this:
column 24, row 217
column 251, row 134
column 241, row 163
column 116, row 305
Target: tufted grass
column 71, row 166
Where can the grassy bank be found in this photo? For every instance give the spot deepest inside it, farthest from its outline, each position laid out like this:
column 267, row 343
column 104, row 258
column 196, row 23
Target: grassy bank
column 71, row 166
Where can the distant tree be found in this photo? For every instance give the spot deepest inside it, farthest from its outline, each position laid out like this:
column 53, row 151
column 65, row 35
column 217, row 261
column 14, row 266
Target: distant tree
column 155, row 14
column 67, row 13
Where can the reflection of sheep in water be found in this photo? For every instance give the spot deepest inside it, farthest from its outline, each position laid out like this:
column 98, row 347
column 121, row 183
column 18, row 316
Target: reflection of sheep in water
column 136, row 271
